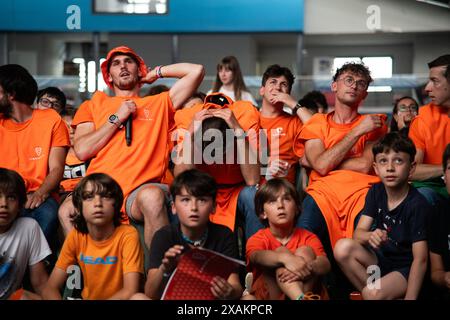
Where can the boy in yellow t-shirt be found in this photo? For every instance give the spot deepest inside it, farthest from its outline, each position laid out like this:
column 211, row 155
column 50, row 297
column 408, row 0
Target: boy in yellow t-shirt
column 109, row 253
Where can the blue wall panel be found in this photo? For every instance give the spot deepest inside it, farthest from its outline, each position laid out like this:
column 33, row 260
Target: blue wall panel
column 184, row 16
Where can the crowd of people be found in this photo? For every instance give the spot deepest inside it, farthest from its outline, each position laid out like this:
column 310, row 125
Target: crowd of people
column 123, row 185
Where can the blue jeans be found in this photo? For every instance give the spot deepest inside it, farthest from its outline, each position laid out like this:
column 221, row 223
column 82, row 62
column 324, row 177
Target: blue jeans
column 312, row 219
column 246, row 207
column 46, row 216
column 432, row 196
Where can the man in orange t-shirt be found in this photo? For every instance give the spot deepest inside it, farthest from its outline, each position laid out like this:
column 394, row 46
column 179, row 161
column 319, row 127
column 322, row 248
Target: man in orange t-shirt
column 430, row 132
column 34, row 143
column 338, row 148
column 140, row 166
column 235, row 167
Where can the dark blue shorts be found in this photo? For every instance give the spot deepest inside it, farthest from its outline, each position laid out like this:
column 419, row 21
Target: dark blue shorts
column 387, row 265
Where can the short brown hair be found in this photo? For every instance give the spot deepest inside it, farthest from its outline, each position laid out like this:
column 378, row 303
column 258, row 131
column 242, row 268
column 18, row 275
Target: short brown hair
column 103, row 185
column 270, row 190
column 355, row 68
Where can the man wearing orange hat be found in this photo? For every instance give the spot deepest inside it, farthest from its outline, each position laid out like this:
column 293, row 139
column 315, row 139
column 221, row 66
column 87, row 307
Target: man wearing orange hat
column 100, row 136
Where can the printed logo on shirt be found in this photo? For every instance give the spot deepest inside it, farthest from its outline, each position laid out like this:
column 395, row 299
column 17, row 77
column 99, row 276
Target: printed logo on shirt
column 278, row 132
column 448, row 241
column 37, row 154
column 145, row 115
column 98, row 260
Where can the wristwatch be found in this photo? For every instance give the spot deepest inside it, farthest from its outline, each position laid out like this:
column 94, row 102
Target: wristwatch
column 297, row 106
column 114, row 119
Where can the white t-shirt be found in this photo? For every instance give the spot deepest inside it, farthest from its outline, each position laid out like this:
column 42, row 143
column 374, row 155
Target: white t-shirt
column 246, row 96
column 22, row 245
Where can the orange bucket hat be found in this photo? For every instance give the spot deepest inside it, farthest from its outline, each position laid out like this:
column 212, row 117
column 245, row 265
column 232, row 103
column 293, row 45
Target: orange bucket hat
column 127, row 51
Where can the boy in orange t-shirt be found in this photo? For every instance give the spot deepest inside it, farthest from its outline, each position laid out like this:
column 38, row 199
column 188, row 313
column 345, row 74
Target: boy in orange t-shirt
column 109, row 253
column 34, row 143
column 285, row 260
column 138, row 165
column 337, row 146
column 430, row 131
column 280, row 127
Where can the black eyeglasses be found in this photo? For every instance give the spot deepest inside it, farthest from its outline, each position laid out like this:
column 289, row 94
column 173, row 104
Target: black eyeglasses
column 360, row 84
column 50, row 104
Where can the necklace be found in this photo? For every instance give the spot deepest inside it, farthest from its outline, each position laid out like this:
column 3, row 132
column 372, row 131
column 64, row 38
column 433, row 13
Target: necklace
column 196, row 243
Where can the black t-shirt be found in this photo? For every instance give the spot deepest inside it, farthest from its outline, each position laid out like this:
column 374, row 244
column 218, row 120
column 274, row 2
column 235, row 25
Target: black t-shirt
column 405, row 224
column 439, row 238
column 220, row 239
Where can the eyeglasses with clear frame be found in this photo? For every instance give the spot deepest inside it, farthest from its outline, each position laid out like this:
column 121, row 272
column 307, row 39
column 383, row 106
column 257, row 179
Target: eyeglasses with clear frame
column 360, row 84
column 404, row 108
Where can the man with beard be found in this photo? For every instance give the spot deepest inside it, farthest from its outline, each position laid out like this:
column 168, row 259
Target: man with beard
column 139, row 167
column 34, row 143
column 430, row 131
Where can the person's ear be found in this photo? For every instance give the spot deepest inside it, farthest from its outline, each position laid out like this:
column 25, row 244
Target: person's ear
column 110, row 79
column 412, row 169
column 375, row 168
column 263, row 215
column 334, row 86
column 174, row 209
column 262, row 89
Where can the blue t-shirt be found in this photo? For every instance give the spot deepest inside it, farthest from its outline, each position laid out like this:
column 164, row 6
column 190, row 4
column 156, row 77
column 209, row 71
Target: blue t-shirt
column 405, row 224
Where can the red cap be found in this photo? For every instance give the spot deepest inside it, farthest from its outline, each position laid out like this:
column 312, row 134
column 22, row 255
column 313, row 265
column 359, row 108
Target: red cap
column 127, row 51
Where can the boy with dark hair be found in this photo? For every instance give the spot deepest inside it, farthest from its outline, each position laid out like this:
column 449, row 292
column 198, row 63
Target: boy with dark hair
column 285, row 260
column 194, row 193
column 319, row 100
column 51, row 97
column 37, row 140
column 430, row 131
column 280, row 126
column 109, row 253
column 22, row 243
column 391, row 232
column 439, row 239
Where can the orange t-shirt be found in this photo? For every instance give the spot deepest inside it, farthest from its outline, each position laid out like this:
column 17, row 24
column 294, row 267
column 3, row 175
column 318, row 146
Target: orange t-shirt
column 281, row 132
column 74, row 170
column 103, row 263
column 430, row 132
column 228, row 176
column 26, row 146
column 264, row 240
column 340, row 194
column 147, row 159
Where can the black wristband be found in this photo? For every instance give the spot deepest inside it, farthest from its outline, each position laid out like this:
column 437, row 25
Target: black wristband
column 297, row 106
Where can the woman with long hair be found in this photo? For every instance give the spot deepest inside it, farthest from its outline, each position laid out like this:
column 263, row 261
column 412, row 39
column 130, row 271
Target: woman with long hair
column 229, row 80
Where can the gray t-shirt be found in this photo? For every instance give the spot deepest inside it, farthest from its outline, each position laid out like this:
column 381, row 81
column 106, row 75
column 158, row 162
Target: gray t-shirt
column 22, row 245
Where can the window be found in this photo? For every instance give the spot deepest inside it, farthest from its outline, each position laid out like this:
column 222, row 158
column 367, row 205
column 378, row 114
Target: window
column 131, row 6
column 380, row 67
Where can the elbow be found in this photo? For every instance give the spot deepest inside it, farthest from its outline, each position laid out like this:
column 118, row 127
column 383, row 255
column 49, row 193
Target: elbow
column 81, row 153
column 322, row 170
column 199, row 71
